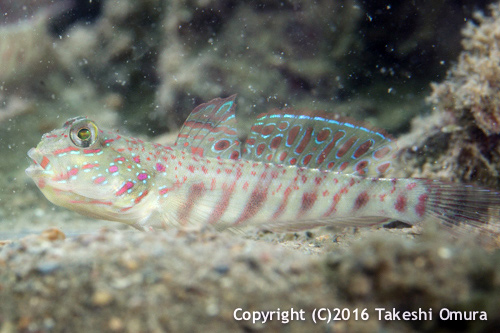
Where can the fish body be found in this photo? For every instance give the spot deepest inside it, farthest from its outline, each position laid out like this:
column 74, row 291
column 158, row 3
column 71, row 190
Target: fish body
column 295, row 170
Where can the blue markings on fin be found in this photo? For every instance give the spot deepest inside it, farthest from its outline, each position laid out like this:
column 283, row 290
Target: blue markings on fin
column 319, row 140
column 308, row 139
column 210, row 130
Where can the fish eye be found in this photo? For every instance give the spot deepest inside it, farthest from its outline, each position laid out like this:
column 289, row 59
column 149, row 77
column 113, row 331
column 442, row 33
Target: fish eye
column 83, row 133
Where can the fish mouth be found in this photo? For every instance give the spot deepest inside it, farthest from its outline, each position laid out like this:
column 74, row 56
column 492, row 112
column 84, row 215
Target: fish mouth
column 39, row 163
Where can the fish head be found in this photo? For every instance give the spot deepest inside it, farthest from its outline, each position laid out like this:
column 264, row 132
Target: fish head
column 93, row 171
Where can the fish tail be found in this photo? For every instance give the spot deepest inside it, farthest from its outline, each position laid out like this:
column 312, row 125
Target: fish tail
column 462, row 208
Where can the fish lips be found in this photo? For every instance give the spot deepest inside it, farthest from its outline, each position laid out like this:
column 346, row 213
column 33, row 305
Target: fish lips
column 39, row 163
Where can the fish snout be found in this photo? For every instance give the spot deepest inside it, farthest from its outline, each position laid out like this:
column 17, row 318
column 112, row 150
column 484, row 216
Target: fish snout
column 39, row 162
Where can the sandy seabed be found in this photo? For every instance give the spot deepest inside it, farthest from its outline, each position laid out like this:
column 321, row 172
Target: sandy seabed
column 130, row 281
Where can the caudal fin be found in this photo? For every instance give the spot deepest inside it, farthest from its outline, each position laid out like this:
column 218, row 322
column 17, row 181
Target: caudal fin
column 465, row 209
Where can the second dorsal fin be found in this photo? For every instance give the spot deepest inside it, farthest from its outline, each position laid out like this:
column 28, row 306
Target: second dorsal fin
column 210, row 130
column 319, row 140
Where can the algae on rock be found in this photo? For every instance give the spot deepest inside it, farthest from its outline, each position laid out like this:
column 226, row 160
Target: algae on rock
column 461, row 140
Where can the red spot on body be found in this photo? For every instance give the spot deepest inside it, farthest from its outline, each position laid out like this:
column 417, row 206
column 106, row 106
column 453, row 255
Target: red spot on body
column 360, row 167
column 382, row 197
column 239, row 173
column 166, row 190
column 269, row 157
column 333, row 206
column 250, row 142
column 284, row 203
column 245, row 186
column 283, row 155
column 91, row 151
column 124, row 188
column 234, row 155
column 318, row 180
column 411, row 186
column 142, row 176
column 343, row 166
column 45, row 162
column 222, row 145
column 381, row 152
column 346, row 146
column 260, row 149
column 204, row 169
column 267, row 129
column 113, row 169
column 186, row 144
column 400, row 204
column 305, row 140
column 139, row 198
column 275, row 142
column 306, row 159
column 293, row 161
column 421, row 205
column 160, row 167
column 283, row 125
column 254, row 204
column 196, row 151
column 222, row 204
column 196, row 191
column 323, row 135
column 363, row 148
column 99, row 180
column 308, row 200
column 383, row 168
column 361, row 200
column 257, row 128
column 304, row 179
column 352, row 182
column 322, row 156
column 191, row 168
column 292, row 135
column 326, row 193
column 330, row 165
column 65, row 150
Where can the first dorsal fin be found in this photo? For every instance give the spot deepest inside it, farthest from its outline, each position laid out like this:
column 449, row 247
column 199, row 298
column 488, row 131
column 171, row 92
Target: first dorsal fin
column 210, row 130
column 319, row 140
